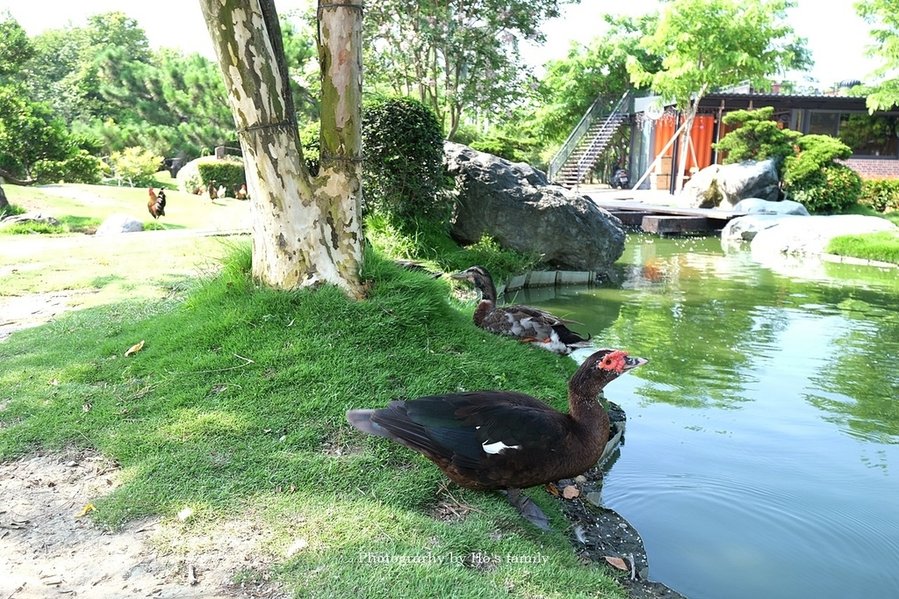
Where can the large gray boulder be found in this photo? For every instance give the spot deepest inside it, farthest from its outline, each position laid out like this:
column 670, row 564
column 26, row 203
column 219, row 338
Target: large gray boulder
column 723, row 186
column 810, row 235
column 745, row 228
column 760, row 206
column 513, row 203
column 119, row 223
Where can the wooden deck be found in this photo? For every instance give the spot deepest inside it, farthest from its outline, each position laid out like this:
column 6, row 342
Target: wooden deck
column 665, row 220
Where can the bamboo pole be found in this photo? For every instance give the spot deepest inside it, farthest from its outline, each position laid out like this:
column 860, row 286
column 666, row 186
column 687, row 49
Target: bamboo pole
column 658, row 157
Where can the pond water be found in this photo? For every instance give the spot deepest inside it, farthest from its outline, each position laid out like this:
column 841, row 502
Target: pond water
column 761, row 456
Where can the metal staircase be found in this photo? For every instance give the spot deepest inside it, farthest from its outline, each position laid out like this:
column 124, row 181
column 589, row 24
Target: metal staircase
column 588, row 140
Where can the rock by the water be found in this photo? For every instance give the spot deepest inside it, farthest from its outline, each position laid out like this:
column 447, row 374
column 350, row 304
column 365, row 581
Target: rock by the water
column 119, row 223
column 811, row 234
column 723, row 186
column 760, row 206
column 745, row 228
column 512, row 203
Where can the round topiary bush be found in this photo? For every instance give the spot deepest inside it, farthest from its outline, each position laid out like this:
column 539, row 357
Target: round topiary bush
column 814, row 178
column 403, row 148
column 833, row 188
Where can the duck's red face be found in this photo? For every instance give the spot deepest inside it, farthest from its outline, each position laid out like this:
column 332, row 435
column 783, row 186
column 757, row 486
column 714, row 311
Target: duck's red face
column 614, row 361
column 617, row 362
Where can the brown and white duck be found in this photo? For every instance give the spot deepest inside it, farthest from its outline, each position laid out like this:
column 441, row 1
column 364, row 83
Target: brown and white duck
column 503, row 440
column 528, row 324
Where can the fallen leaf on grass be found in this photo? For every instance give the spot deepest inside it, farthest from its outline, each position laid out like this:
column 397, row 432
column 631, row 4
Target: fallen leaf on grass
column 552, row 489
column 87, row 510
column 570, row 492
column 135, row 348
column 617, row 562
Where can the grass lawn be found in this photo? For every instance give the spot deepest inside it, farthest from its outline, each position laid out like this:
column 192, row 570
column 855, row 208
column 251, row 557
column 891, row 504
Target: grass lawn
column 82, row 207
column 881, row 247
column 93, row 270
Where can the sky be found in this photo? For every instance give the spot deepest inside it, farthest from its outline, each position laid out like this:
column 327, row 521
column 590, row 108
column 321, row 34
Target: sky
column 837, row 36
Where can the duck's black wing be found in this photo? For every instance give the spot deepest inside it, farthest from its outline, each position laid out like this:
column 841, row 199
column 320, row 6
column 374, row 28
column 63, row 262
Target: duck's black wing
column 486, row 439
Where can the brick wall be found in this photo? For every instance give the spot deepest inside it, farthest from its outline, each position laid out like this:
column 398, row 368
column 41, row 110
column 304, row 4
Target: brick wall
column 874, row 168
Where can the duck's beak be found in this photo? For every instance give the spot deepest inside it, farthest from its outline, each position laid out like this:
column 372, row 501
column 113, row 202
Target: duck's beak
column 458, row 275
column 632, row 362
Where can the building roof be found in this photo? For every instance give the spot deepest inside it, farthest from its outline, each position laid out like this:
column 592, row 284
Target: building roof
column 728, row 101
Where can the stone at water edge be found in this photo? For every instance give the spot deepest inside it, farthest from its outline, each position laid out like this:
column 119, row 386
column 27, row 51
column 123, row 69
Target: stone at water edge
column 810, row 235
column 760, row 206
column 28, row 217
column 745, row 228
column 513, row 204
column 723, row 186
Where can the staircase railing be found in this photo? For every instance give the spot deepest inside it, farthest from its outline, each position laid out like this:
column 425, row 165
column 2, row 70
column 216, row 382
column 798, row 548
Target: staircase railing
column 600, row 139
column 574, row 138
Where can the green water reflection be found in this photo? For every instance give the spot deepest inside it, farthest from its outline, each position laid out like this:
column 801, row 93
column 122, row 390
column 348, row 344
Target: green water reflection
column 770, row 402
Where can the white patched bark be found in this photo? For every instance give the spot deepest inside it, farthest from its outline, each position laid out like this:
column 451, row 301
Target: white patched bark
column 305, row 231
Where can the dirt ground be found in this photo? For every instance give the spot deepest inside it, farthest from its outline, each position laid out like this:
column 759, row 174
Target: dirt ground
column 49, row 548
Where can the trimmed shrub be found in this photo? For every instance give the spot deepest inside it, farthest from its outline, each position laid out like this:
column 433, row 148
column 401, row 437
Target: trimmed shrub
column 403, row 161
column 228, row 172
column 881, row 195
column 310, row 139
column 136, row 166
column 515, row 149
column 832, row 188
column 197, row 174
column 813, row 178
column 757, row 138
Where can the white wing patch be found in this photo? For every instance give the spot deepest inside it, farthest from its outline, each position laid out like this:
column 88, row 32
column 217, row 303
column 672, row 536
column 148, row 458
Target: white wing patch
column 497, row 447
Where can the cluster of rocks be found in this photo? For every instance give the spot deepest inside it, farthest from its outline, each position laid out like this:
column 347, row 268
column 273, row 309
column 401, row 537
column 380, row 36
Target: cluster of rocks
column 771, row 225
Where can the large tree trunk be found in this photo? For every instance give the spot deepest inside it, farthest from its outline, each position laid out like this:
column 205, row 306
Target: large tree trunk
column 4, row 203
column 306, row 230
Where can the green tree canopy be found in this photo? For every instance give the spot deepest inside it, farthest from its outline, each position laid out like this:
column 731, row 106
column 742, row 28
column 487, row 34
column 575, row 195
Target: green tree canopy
column 455, row 56
column 883, row 15
column 15, row 48
column 571, row 84
column 705, row 45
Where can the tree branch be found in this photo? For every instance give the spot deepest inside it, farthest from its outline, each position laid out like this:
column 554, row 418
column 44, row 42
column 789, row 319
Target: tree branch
column 15, row 180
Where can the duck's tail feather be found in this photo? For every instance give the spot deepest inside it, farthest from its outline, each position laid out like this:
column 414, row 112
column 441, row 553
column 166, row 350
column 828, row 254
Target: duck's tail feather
column 361, row 419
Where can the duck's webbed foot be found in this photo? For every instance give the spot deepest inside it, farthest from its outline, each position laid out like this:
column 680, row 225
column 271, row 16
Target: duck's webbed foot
column 527, row 508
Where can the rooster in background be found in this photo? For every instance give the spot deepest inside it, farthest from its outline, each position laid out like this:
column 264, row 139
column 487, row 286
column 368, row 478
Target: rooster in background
column 156, row 204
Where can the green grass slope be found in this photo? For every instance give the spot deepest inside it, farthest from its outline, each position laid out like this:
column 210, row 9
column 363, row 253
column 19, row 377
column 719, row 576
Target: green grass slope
column 236, row 403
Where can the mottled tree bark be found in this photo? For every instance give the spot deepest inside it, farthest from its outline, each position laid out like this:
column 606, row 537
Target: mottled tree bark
column 306, row 230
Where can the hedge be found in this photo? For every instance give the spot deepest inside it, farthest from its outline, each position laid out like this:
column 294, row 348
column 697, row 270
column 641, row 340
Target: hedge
column 881, row 195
